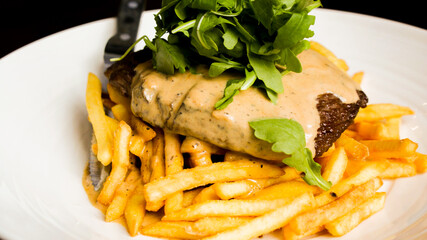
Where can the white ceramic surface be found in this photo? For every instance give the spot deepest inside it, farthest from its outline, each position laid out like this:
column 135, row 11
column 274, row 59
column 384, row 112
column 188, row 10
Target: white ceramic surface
column 45, row 133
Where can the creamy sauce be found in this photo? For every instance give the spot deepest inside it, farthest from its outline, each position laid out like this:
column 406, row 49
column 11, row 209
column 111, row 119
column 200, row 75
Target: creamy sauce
column 184, row 103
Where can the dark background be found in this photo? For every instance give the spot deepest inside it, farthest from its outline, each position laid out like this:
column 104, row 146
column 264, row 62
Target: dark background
column 24, row 21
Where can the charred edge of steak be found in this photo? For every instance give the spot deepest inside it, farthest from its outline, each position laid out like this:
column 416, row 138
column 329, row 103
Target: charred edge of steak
column 120, row 73
column 335, row 118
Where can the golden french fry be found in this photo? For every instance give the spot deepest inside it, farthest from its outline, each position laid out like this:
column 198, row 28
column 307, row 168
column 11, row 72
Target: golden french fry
column 157, row 168
column 158, row 157
column 389, row 129
column 121, row 196
column 398, row 169
column 174, row 162
column 377, row 112
column 208, row 193
column 135, row 210
column 248, row 187
column 121, row 113
column 146, row 162
column 142, row 128
column 161, row 189
column 120, row 163
column 369, row 171
column 97, row 117
column 117, row 97
column 354, row 149
column 212, row 225
column 421, row 163
column 379, row 149
column 358, row 77
column 285, row 190
column 328, row 54
column 289, row 234
column 242, row 188
column 137, row 145
column 324, row 214
column 223, row 208
column 349, row 221
column 335, row 166
column 169, row 230
column 269, row 221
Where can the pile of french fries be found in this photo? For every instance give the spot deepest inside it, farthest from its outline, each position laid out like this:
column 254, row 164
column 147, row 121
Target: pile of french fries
column 169, row 186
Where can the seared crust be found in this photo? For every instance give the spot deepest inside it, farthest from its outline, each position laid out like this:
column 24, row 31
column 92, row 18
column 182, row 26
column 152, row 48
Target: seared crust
column 335, row 117
column 120, row 74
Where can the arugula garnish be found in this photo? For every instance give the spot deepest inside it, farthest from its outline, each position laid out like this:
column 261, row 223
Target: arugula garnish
column 260, row 38
column 287, row 136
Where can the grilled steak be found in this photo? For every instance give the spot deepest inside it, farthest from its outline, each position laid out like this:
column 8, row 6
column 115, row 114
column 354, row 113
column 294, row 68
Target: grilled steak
column 322, row 98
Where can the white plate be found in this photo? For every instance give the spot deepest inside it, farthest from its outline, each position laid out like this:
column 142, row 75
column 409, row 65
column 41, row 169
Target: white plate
column 45, row 133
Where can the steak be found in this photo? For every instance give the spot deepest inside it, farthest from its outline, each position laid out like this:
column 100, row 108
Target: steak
column 322, row 98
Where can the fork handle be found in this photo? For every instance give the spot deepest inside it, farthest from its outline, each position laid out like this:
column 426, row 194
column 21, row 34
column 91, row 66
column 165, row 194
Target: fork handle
column 127, row 23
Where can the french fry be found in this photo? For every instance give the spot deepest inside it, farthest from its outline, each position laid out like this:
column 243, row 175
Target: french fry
column 369, row 171
column 158, row 157
column 120, row 163
column 142, row 128
column 248, row 187
column 157, row 168
column 358, row 77
column 146, row 162
column 200, row 151
column 161, row 189
column 328, row 54
column 404, row 148
column 121, row 196
column 388, row 129
column 137, row 145
column 212, row 225
column 349, row 221
column 335, row 166
column 377, row 112
column 169, row 230
column 121, row 112
column 242, row 188
column 223, row 208
column 208, row 193
column 398, row 169
column 135, row 210
column 324, row 214
column 354, row 149
column 97, row 117
column 268, row 222
column 421, row 163
column 117, row 97
column 285, row 190
column 174, row 162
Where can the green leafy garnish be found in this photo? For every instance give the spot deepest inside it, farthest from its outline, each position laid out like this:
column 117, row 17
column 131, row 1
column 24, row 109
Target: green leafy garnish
column 287, row 136
column 260, row 37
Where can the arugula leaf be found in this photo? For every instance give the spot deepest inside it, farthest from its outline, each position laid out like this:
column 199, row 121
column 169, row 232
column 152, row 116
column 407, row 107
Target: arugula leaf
column 231, row 90
column 287, row 136
column 169, row 56
column 267, row 72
